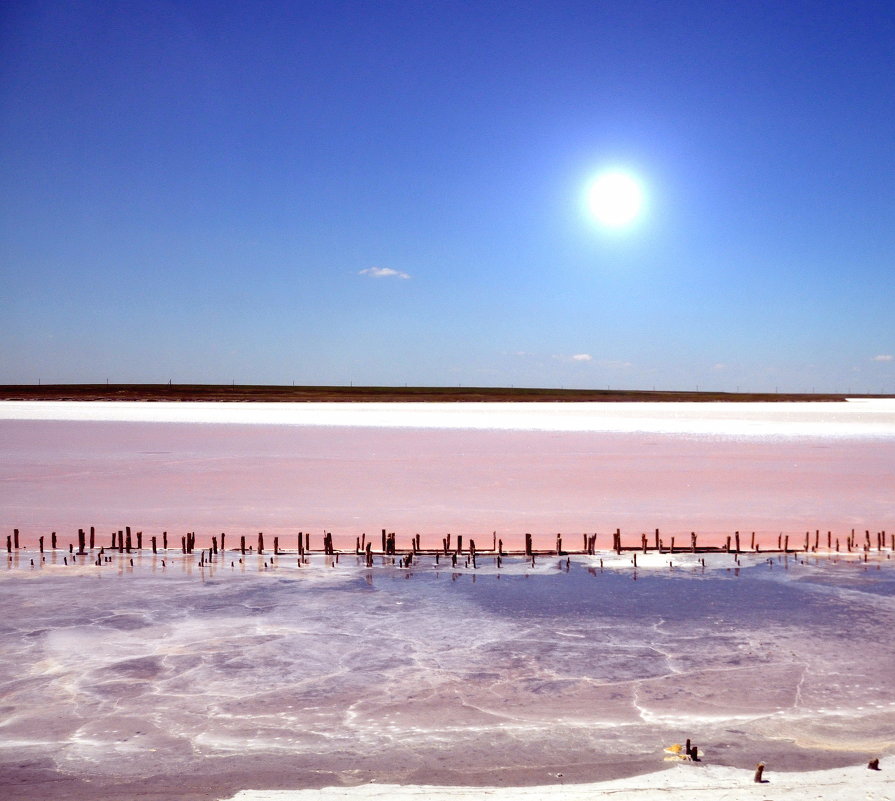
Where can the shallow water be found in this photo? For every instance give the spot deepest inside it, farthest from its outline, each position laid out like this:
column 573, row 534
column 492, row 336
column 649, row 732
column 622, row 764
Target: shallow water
column 319, row 675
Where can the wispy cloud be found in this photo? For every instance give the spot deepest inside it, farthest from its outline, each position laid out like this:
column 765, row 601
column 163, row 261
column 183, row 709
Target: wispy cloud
column 383, row 272
column 883, row 357
column 582, row 357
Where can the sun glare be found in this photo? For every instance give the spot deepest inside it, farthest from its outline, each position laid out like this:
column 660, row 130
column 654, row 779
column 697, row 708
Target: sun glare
column 615, row 198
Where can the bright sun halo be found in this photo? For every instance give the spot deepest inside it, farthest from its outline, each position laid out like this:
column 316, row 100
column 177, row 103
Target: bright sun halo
column 615, row 198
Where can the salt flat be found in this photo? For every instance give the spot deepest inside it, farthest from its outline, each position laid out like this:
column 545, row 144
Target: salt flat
column 855, row 418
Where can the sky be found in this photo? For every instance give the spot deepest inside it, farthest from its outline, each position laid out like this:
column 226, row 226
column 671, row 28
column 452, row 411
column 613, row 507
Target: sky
column 389, row 193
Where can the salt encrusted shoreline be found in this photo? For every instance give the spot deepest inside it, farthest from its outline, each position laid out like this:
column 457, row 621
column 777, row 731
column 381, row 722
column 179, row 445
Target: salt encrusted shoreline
column 685, row 782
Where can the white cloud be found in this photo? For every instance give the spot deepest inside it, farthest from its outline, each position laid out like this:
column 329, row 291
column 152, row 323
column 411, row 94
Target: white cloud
column 383, row 272
column 582, row 357
column 883, row 357
column 720, row 366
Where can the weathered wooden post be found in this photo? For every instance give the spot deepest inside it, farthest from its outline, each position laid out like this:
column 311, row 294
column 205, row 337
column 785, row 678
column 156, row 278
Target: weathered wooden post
column 693, row 541
column 357, row 545
column 81, row 541
column 807, row 536
column 559, row 544
column 786, row 544
column 759, row 770
column 153, row 546
column 128, row 544
column 672, row 545
column 618, row 540
column 9, row 543
column 873, row 764
column 737, row 538
column 752, row 545
column 276, row 546
column 165, row 540
column 499, row 548
column 727, row 546
column 53, row 540
column 584, row 548
column 527, row 544
column 643, row 542
column 139, row 540
column 183, row 544
column 493, row 540
column 40, row 541
column 15, row 535
column 92, row 537
column 214, row 545
column 383, row 540
column 120, row 541
column 260, row 542
column 459, row 543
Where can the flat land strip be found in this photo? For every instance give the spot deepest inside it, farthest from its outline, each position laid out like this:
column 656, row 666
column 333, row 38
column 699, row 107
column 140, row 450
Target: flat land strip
column 309, row 394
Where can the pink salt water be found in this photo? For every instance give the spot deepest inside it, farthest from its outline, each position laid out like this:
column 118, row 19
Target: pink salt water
column 241, row 479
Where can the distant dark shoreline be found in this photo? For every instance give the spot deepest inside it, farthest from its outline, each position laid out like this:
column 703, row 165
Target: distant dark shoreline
column 309, row 394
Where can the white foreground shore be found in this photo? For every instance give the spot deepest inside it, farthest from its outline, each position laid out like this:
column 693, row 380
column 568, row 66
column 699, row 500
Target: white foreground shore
column 685, row 782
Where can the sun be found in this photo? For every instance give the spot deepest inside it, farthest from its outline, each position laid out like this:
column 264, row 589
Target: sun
column 615, row 198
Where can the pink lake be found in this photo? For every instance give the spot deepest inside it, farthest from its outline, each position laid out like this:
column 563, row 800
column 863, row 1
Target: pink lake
column 59, row 475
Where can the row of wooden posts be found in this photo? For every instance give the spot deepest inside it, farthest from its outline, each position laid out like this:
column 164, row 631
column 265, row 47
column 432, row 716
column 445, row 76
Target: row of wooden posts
column 124, row 542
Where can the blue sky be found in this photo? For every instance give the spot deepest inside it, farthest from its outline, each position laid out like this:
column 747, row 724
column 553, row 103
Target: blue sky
column 216, row 192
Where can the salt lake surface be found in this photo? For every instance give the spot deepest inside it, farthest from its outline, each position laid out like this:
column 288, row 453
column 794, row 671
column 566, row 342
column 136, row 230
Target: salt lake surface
column 163, row 678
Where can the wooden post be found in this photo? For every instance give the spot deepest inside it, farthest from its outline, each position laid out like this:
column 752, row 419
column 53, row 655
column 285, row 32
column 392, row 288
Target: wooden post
column 165, row 540
column 92, row 537
column 15, row 535
column 183, row 544
column 242, row 544
column 527, row 544
column 260, row 542
column 81, row 542
column 752, row 546
column 383, row 540
column 643, row 542
column 128, row 544
column 559, row 544
column 618, row 540
column 53, row 540
column 459, row 543
column 585, row 542
column 737, row 538
column 153, row 546
column 276, row 546
column 786, row 544
column 807, row 536
column 759, row 769
column 728, row 545
column 214, row 544
column 139, row 540
column 40, row 540
column 9, row 543
column 493, row 540
column 693, row 541
column 500, row 547
column 873, row 764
